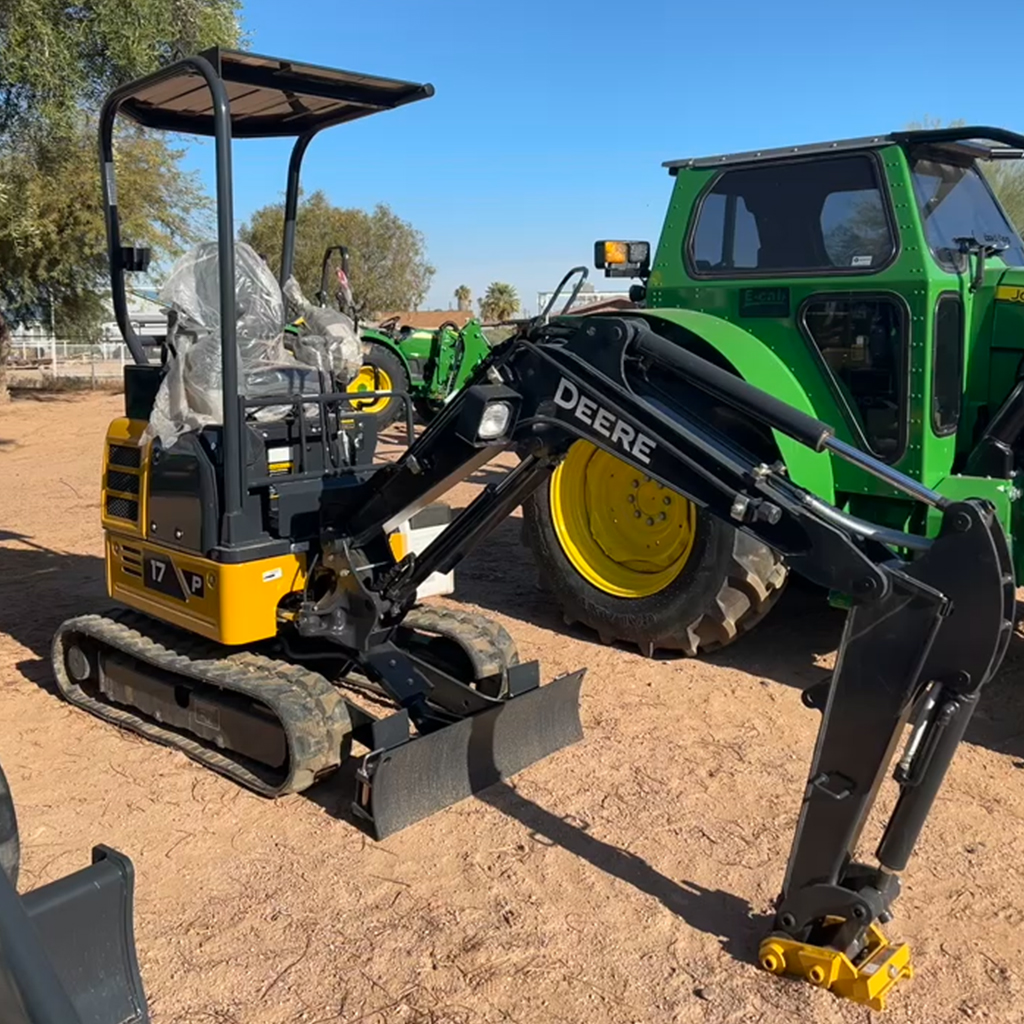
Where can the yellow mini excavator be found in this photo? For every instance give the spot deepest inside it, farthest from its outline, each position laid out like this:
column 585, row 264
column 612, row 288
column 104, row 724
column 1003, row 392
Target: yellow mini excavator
column 252, row 536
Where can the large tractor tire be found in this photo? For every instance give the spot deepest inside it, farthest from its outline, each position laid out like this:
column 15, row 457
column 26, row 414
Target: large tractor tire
column 9, row 851
column 639, row 563
column 427, row 409
column 382, row 370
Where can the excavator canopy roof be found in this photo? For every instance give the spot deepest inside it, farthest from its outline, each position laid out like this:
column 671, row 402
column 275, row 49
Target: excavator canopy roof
column 269, row 96
column 980, row 143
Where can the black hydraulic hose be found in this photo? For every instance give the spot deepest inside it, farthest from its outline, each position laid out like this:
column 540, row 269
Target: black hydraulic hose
column 773, row 412
column 862, row 528
column 1007, row 425
column 735, row 391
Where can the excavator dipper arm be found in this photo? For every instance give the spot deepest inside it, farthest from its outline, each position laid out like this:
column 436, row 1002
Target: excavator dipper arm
column 929, row 623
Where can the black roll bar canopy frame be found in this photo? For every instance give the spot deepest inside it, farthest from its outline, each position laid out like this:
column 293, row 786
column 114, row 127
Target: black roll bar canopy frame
column 232, row 94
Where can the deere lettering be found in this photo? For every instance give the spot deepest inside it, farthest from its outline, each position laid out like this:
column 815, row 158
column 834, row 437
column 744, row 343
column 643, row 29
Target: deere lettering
column 606, row 423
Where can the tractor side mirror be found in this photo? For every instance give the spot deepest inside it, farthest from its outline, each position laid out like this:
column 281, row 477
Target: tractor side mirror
column 623, row 259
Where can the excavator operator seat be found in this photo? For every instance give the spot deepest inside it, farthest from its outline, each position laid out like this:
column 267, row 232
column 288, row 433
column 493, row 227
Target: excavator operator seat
column 322, row 359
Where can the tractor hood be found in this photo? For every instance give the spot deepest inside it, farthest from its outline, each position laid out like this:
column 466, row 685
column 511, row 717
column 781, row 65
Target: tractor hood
column 1011, row 285
column 1006, row 342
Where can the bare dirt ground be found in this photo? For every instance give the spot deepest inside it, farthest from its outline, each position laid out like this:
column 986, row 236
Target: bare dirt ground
column 623, row 880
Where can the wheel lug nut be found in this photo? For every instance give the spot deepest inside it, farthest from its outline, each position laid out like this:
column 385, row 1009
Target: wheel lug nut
column 637, row 514
column 630, row 498
column 650, row 521
column 662, row 516
column 667, row 500
column 636, row 483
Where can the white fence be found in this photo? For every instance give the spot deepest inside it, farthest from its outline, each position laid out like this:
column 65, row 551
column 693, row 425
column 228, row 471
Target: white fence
column 35, row 360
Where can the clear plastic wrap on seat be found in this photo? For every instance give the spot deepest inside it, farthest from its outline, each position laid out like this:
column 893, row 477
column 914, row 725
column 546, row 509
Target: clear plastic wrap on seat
column 190, row 397
column 328, row 341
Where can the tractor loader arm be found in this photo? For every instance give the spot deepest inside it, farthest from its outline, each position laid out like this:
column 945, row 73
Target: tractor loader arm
column 929, row 623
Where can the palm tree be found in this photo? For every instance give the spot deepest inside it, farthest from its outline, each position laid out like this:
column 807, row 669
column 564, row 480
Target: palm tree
column 500, row 302
column 464, row 298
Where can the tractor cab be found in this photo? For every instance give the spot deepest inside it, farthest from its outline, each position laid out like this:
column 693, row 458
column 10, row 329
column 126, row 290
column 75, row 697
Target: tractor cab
column 877, row 281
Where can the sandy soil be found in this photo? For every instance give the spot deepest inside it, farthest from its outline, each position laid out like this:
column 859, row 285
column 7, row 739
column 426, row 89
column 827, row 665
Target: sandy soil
column 623, row 880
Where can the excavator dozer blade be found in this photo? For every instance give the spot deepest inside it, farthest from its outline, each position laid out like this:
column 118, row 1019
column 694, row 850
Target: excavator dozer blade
column 404, row 784
column 67, row 949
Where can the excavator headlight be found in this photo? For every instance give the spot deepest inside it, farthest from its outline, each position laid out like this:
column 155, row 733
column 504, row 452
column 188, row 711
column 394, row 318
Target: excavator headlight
column 487, row 413
column 495, row 420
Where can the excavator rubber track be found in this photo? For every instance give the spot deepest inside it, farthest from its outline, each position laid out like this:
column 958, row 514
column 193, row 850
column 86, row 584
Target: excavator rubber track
column 308, row 710
column 486, row 643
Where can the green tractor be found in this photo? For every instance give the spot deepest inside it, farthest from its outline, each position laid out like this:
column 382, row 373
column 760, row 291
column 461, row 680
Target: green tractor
column 429, row 366
column 874, row 283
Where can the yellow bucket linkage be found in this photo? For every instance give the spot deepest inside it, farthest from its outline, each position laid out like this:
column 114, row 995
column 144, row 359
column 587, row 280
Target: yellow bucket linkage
column 876, row 972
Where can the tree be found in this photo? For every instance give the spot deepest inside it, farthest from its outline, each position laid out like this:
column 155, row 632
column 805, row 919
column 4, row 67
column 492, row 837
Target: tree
column 57, row 61
column 388, row 265
column 59, row 58
column 500, row 302
column 53, row 246
column 1007, row 181
column 463, row 298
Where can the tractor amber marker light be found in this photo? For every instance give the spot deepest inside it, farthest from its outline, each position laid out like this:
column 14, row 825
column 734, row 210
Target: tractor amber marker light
column 606, row 423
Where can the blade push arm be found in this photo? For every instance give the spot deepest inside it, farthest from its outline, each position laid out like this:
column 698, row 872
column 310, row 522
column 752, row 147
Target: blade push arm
column 923, row 635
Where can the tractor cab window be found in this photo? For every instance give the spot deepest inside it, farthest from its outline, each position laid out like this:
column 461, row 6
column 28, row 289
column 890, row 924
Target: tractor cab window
column 956, row 202
column 861, row 340
column 823, row 216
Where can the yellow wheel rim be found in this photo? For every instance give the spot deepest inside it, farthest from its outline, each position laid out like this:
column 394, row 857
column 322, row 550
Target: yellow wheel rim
column 370, row 378
column 622, row 531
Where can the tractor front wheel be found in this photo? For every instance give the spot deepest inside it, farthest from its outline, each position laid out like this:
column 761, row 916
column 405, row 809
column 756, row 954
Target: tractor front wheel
column 637, row 562
column 382, row 370
column 427, row 409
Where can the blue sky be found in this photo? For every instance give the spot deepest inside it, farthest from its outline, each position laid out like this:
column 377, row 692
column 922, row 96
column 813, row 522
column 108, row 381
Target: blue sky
column 551, row 120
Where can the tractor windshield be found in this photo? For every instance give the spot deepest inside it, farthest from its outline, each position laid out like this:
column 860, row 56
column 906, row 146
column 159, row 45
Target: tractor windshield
column 956, row 202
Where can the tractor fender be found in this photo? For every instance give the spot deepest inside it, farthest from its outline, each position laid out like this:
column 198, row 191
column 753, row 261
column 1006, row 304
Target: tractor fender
column 757, row 364
column 389, row 343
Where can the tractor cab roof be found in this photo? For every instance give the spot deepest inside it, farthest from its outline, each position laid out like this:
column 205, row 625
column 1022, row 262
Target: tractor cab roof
column 268, row 96
column 975, row 142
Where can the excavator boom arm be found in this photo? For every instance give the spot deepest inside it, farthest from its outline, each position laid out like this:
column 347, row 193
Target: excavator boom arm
column 929, row 622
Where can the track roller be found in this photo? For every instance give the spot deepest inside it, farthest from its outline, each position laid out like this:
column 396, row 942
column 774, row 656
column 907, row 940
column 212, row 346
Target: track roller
column 271, row 726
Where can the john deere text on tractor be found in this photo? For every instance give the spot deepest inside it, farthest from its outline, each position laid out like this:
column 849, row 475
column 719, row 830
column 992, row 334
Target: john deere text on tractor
column 252, row 537
column 874, row 283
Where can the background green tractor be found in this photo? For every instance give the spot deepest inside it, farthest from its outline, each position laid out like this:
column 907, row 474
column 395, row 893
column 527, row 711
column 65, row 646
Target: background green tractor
column 428, row 365
column 874, row 283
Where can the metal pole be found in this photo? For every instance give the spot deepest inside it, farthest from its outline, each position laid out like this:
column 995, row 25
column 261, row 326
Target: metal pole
column 887, row 473
column 233, row 496
column 291, row 205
